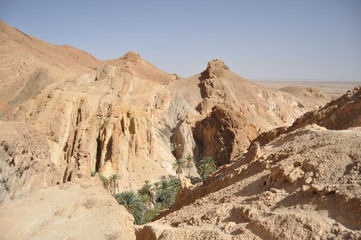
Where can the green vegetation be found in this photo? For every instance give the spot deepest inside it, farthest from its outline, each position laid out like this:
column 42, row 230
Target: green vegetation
column 93, row 173
column 149, row 214
column 133, row 204
column 178, row 166
column 113, row 184
column 150, row 199
column 166, row 191
column 146, row 194
column 110, row 183
column 207, row 166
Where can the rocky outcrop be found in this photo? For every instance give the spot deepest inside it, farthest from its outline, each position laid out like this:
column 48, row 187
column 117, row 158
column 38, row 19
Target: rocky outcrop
column 213, row 90
column 341, row 113
column 92, row 126
column 25, row 164
column 234, row 118
column 132, row 63
column 306, row 180
column 223, row 134
column 215, row 69
column 183, row 140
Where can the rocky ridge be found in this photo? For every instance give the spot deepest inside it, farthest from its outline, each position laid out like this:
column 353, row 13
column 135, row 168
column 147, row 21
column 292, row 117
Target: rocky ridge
column 303, row 183
column 342, row 113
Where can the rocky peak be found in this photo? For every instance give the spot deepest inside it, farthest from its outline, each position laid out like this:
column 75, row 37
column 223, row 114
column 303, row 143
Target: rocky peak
column 131, row 56
column 215, row 69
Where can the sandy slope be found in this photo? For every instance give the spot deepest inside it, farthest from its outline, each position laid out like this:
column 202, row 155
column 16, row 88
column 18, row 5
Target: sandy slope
column 82, row 210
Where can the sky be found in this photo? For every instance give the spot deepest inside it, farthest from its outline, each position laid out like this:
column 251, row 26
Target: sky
column 257, row 39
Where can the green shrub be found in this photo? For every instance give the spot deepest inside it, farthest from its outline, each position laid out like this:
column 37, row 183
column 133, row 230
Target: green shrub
column 156, row 197
column 146, row 193
column 133, row 204
column 150, row 214
column 207, row 166
column 166, row 191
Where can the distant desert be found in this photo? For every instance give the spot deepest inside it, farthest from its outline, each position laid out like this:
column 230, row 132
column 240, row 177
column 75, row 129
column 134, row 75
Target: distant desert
column 334, row 88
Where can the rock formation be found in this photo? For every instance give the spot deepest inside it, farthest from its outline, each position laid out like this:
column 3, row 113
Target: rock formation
column 303, row 184
column 127, row 117
column 25, row 161
column 341, row 113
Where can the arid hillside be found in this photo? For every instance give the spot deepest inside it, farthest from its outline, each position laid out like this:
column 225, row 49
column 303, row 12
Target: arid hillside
column 123, row 116
column 68, row 120
column 301, row 184
column 78, row 210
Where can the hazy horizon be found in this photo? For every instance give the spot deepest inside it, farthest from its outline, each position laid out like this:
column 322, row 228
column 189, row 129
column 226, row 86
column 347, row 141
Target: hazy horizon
column 259, row 40
column 306, row 80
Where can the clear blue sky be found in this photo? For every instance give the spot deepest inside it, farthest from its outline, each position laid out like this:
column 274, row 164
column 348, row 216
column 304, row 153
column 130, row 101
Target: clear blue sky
column 269, row 39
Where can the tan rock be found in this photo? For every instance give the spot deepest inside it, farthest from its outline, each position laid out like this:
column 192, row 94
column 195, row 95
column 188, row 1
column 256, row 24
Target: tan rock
column 71, row 210
column 327, row 208
column 127, row 117
column 25, row 163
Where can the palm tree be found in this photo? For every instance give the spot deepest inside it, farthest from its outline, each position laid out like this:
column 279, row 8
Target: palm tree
column 189, row 160
column 156, row 186
column 113, row 183
column 146, row 193
column 164, row 184
column 173, row 183
column 133, row 204
column 207, row 167
column 167, row 190
column 179, row 165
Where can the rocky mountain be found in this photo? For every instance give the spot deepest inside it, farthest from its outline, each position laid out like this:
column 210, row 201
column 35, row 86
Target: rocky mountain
column 125, row 116
column 66, row 116
column 302, row 183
